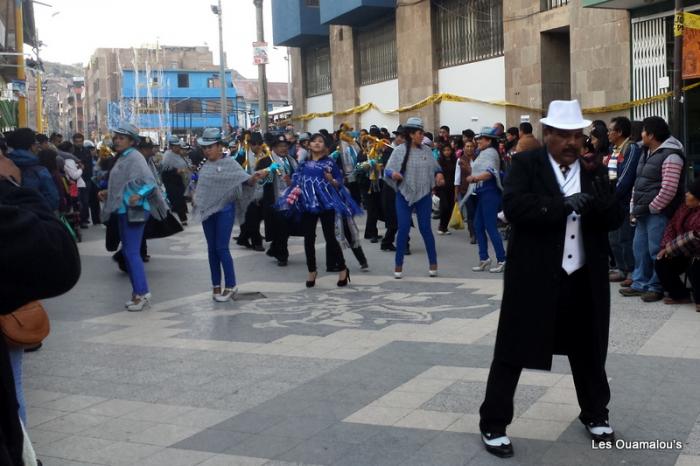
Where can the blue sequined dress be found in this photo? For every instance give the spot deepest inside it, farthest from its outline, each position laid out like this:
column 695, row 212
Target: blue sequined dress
column 310, row 191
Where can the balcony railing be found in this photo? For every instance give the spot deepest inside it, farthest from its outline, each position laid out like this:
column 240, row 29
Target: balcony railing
column 551, row 4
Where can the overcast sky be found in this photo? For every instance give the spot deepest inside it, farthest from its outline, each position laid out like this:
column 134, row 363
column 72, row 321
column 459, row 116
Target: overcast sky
column 73, row 29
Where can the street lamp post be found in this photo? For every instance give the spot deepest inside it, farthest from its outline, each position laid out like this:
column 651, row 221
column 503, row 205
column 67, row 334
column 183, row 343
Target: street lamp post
column 222, row 69
column 262, row 78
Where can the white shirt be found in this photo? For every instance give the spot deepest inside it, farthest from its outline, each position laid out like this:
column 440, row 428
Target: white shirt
column 74, row 173
column 574, row 256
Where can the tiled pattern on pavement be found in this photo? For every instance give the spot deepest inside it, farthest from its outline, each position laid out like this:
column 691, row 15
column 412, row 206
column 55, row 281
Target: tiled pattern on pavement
column 384, row 372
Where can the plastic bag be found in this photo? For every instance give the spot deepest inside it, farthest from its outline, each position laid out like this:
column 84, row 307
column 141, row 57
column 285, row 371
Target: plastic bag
column 456, row 220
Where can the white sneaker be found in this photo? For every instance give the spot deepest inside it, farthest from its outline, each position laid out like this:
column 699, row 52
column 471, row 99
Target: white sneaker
column 131, row 301
column 226, row 295
column 483, row 266
column 398, row 275
column 139, row 303
column 499, row 267
column 440, row 232
column 433, row 273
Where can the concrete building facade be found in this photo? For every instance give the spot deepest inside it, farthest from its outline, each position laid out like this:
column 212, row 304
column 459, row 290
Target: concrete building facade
column 651, row 72
column 559, row 50
column 525, row 52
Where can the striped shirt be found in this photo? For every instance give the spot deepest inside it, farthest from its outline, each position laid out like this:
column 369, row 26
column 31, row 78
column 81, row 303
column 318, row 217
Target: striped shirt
column 671, row 172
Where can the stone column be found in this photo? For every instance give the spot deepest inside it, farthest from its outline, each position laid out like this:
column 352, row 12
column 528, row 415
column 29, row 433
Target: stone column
column 600, row 58
column 416, row 61
column 344, row 75
column 298, row 97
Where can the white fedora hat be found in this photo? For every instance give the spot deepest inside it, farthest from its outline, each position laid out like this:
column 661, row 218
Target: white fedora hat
column 565, row 114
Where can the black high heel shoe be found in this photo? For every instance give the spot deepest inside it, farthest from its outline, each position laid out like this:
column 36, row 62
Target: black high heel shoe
column 344, row 282
column 312, row 283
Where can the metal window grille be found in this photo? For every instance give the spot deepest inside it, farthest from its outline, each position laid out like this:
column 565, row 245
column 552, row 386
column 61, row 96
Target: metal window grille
column 551, row 4
column 468, row 30
column 376, row 49
column 649, row 63
column 317, row 70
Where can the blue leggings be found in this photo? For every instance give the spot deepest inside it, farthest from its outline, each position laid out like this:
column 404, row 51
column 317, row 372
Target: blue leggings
column 486, row 221
column 16, row 355
column 217, row 230
column 131, row 235
column 403, row 214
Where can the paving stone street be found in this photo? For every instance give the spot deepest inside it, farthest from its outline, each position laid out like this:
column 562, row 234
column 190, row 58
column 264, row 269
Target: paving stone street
column 385, row 372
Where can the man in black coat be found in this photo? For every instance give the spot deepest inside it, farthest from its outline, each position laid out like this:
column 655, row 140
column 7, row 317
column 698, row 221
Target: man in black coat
column 40, row 260
column 560, row 216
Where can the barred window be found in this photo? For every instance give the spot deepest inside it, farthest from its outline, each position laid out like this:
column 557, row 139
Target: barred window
column 317, row 69
column 549, row 4
column 467, row 30
column 376, row 46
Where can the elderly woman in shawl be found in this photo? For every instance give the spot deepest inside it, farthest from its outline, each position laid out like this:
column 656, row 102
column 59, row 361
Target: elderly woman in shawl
column 413, row 172
column 176, row 172
column 222, row 188
column 132, row 194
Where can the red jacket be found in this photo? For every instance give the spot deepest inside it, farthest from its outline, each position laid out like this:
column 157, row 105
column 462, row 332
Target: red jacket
column 683, row 221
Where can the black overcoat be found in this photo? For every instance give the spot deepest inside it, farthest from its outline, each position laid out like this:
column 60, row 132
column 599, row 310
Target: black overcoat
column 534, row 206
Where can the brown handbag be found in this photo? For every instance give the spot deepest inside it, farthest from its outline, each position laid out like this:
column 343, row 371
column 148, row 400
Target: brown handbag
column 26, row 326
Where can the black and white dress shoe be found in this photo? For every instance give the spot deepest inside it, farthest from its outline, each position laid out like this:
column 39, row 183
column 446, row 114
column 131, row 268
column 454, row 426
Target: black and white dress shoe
column 497, row 444
column 600, row 431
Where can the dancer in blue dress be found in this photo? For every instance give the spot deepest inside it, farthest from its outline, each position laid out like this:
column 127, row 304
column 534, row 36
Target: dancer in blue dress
column 317, row 192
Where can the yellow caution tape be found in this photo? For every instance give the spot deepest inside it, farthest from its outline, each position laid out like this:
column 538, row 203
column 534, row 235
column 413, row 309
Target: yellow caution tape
column 691, row 21
column 443, row 97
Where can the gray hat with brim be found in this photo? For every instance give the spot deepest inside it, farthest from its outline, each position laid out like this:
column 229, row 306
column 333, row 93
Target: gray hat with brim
column 175, row 141
column 413, row 123
column 127, row 129
column 210, row 136
column 487, row 132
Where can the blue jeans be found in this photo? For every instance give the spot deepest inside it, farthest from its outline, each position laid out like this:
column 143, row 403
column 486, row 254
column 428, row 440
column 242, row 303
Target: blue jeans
column 131, row 235
column 424, row 212
column 621, row 245
column 486, row 221
column 646, row 245
column 16, row 355
column 217, row 230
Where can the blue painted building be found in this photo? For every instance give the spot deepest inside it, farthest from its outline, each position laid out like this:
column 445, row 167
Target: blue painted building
column 354, row 12
column 184, row 101
column 297, row 23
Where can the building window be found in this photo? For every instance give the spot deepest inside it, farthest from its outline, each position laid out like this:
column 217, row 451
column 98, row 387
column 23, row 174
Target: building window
column 317, row 70
column 467, row 30
column 183, row 80
column 549, row 4
column 312, row 3
column 376, row 48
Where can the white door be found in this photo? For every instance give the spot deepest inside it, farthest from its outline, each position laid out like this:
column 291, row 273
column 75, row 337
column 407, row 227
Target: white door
column 648, row 66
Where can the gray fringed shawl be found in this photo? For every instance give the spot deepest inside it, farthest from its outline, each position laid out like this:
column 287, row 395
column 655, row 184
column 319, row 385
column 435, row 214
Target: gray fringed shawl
column 489, row 161
column 419, row 178
column 221, row 183
column 131, row 170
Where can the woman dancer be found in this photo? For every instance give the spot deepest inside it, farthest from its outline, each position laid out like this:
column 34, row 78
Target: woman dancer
column 413, row 172
column 219, row 186
column 317, row 193
column 485, row 184
column 132, row 195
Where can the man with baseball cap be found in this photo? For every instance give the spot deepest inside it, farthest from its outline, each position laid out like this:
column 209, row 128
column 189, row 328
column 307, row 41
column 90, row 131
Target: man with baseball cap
column 560, row 216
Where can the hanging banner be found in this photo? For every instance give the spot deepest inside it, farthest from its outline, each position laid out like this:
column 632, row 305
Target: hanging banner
column 691, row 46
column 260, row 53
